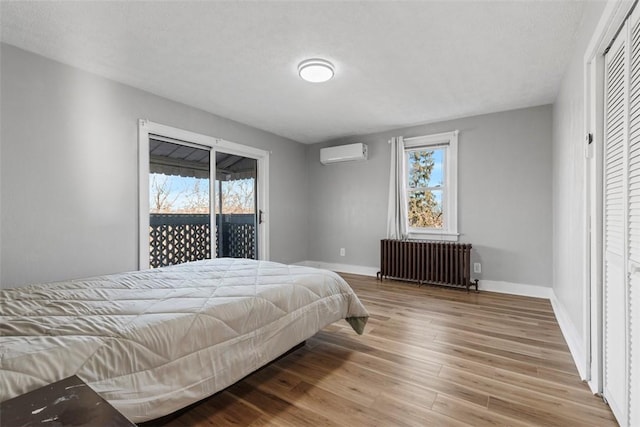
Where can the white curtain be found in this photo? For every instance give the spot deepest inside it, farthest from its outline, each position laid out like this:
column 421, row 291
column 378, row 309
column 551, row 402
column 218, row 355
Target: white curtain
column 397, row 214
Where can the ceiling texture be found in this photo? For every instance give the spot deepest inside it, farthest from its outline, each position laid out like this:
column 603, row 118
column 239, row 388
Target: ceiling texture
column 397, row 64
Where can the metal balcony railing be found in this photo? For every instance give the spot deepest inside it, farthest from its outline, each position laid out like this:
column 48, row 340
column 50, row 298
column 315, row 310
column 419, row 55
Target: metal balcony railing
column 179, row 238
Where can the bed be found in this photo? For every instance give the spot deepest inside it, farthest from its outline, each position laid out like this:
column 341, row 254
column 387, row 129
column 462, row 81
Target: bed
column 152, row 342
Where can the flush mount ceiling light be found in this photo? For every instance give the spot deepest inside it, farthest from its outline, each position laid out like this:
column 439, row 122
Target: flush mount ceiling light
column 315, row 70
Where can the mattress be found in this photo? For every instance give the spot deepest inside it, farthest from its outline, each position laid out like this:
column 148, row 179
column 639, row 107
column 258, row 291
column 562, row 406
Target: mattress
column 154, row 341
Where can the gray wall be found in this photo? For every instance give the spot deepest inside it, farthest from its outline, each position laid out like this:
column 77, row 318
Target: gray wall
column 69, row 195
column 569, row 216
column 504, row 187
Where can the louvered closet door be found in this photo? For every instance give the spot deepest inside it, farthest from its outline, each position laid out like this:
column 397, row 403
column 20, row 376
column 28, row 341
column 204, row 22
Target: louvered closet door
column 614, row 229
column 633, row 299
column 621, row 293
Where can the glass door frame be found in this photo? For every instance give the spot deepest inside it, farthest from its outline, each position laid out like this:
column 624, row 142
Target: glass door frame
column 147, row 128
column 218, row 204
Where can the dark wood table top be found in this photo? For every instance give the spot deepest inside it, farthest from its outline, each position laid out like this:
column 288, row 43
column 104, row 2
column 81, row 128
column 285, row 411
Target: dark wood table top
column 68, row 402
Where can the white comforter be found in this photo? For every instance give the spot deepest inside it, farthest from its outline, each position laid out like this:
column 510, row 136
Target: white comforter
column 154, row 341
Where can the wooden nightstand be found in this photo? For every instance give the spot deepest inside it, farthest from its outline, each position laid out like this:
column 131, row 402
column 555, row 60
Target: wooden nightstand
column 68, row 402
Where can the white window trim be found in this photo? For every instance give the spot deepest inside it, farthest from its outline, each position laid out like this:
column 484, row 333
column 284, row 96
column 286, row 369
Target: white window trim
column 145, row 128
column 450, row 201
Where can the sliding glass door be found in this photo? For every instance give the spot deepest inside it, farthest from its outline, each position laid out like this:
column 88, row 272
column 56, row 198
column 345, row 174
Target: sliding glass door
column 200, row 198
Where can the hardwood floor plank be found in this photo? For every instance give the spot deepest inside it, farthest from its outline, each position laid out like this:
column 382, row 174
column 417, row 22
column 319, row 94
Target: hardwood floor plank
column 472, row 414
column 561, row 365
column 316, row 375
column 541, row 417
column 342, row 410
column 224, row 410
column 381, row 359
column 429, row 356
column 563, row 378
column 278, row 411
column 435, row 352
column 576, row 394
column 525, row 396
column 503, row 340
column 412, row 415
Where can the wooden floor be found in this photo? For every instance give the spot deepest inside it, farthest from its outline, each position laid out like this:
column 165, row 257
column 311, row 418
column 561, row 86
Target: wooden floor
column 429, row 357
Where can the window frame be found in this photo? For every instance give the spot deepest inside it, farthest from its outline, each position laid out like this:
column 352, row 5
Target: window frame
column 448, row 141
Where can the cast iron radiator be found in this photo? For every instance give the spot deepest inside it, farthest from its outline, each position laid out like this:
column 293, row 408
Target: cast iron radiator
column 426, row 262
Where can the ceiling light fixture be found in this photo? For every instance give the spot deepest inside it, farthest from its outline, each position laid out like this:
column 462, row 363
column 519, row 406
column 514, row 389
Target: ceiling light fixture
column 316, row 70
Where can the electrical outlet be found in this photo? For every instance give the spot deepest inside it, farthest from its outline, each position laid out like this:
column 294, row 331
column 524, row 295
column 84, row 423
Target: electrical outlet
column 477, row 267
column 343, row 252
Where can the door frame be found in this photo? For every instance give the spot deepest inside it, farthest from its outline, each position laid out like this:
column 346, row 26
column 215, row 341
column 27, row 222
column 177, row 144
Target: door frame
column 146, row 128
column 612, row 18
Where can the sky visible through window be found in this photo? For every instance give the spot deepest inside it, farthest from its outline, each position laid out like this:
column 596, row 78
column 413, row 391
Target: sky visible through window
column 181, row 194
column 436, row 177
column 180, row 190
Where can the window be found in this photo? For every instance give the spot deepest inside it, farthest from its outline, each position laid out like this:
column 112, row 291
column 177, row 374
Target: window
column 431, row 186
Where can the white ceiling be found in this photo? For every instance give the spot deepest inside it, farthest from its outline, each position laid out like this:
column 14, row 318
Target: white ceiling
column 397, row 63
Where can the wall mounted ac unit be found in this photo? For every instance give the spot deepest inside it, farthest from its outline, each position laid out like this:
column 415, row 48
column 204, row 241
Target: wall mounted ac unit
column 343, row 153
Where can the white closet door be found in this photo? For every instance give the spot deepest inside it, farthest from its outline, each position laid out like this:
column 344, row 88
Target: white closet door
column 633, row 307
column 615, row 207
column 621, row 311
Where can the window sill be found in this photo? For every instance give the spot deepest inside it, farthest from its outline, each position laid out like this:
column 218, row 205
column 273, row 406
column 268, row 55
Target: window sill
column 435, row 235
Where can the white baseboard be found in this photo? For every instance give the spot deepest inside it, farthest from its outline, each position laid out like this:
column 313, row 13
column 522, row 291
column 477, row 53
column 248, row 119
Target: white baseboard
column 515, row 289
column 342, row 268
column 571, row 336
